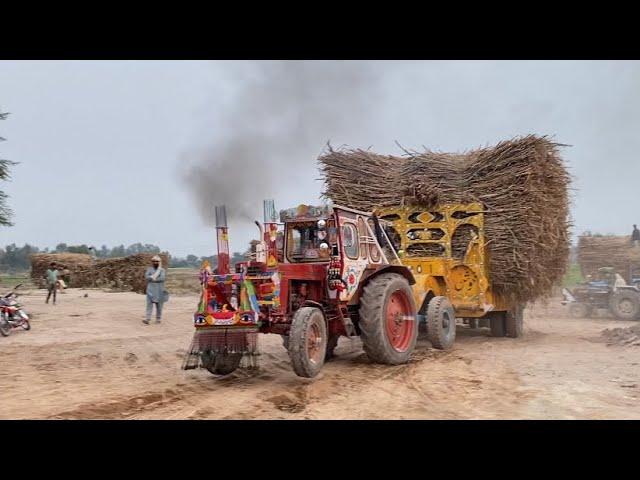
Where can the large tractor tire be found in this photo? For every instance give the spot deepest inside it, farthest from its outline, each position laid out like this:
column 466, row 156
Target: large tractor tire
column 308, row 341
column 625, row 304
column 441, row 323
column 498, row 324
column 514, row 322
column 388, row 324
column 221, row 363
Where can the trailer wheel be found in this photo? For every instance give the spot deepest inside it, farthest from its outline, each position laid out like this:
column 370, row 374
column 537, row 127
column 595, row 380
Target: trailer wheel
column 514, row 322
column 497, row 324
column 441, row 323
column 308, row 341
column 625, row 304
column 474, row 323
column 388, row 321
column 221, row 363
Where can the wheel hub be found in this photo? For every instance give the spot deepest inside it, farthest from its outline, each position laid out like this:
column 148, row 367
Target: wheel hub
column 399, row 321
column 625, row 306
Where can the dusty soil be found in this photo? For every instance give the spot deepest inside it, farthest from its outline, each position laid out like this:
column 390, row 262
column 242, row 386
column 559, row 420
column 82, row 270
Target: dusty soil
column 91, row 357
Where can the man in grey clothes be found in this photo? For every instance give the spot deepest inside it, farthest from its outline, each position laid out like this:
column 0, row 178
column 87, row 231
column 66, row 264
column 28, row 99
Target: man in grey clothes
column 155, row 277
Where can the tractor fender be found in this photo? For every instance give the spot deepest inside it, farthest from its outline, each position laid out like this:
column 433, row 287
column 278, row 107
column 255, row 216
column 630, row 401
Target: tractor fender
column 311, row 303
column 399, row 269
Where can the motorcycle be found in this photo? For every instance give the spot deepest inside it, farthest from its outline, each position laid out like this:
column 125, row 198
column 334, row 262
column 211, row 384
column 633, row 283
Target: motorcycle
column 11, row 313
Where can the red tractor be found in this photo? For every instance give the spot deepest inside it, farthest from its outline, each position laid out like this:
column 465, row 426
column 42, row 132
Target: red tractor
column 331, row 271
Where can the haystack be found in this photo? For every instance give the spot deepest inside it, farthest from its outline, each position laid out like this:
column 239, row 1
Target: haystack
column 74, row 262
column 522, row 183
column 596, row 251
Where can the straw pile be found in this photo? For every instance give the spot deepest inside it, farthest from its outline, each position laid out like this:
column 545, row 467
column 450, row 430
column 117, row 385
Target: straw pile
column 40, row 262
column 124, row 273
column 522, row 183
column 595, row 252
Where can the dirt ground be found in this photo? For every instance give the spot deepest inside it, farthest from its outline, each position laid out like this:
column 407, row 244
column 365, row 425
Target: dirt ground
column 91, row 357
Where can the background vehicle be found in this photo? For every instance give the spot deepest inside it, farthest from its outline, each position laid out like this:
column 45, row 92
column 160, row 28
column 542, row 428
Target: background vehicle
column 607, row 291
column 11, row 313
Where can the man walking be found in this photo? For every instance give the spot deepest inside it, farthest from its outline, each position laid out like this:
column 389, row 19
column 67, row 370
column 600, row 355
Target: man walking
column 635, row 236
column 52, row 282
column 155, row 277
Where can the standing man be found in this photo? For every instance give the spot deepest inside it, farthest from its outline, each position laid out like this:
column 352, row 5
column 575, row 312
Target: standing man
column 155, row 289
column 52, row 281
column 635, row 236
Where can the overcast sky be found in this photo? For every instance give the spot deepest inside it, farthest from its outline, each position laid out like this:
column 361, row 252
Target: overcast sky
column 118, row 152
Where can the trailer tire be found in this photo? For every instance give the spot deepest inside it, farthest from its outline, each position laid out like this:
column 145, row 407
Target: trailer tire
column 514, row 322
column 387, row 335
column 497, row 324
column 308, row 341
column 441, row 323
column 625, row 304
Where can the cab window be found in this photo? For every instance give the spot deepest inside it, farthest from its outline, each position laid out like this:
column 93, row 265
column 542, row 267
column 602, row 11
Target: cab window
column 350, row 240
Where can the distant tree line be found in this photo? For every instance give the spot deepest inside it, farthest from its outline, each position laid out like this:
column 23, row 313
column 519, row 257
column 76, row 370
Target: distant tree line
column 14, row 258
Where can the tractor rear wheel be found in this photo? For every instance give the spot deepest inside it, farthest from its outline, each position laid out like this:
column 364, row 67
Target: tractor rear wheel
column 388, row 323
column 497, row 324
column 514, row 322
column 308, row 341
column 441, row 323
column 625, row 304
column 221, row 363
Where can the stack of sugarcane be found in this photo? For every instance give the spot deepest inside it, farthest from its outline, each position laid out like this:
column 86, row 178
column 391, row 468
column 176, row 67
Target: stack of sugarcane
column 596, row 251
column 522, row 184
column 123, row 273
column 73, row 262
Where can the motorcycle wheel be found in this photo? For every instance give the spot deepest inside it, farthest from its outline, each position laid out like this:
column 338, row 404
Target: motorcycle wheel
column 5, row 328
column 26, row 325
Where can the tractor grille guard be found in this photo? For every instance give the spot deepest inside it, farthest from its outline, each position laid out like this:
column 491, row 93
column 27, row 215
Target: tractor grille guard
column 222, row 341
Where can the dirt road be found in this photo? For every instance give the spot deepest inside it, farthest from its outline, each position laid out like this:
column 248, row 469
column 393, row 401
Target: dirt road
column 91, row 357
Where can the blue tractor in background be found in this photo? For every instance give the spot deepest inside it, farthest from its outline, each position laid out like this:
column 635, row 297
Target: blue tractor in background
column 606, row 290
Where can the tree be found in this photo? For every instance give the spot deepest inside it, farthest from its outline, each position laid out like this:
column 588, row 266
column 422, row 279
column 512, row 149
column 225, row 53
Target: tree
column 5, row 211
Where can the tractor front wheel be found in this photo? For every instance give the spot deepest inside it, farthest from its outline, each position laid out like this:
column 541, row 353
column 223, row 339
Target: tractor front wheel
column 388, row 321
column 308, row 341
column 580, row 310
column 221, row 363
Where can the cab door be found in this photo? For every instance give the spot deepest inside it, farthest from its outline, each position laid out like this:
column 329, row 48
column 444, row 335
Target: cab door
column 354, row 253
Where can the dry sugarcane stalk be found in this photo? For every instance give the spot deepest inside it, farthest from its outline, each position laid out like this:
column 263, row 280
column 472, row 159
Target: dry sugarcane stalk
column 522, row 183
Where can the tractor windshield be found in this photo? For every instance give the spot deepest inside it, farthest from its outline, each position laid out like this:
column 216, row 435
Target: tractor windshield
column 304, row 240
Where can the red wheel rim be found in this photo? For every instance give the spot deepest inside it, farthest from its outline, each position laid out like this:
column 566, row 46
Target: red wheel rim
column 400, row 322
column 314, row 342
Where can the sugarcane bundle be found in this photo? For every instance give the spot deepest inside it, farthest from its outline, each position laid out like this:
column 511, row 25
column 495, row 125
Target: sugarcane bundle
column 522, row 184
column 122, row 273
column 596, row 251
column 73, row 262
